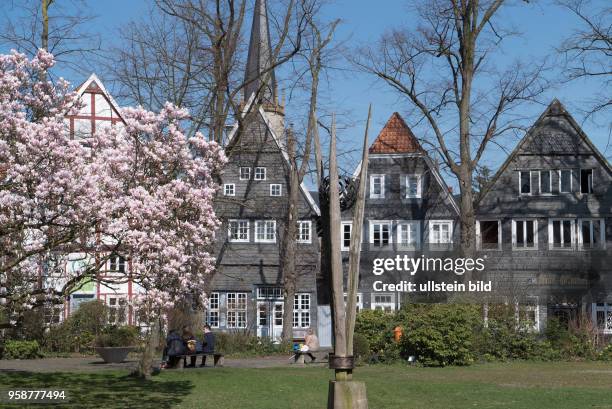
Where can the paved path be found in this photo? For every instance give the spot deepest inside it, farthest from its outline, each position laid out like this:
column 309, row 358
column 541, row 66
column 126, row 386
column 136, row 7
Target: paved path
column 94, row 363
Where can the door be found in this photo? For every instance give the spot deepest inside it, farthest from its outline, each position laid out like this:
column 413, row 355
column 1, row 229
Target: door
column 270, row 319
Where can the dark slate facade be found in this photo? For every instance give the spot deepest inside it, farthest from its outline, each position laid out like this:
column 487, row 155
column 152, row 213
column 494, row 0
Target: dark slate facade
column 545, row 224
column 409, row 210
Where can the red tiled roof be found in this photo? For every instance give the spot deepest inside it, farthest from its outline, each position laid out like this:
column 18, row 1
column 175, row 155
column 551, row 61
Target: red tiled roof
column 396, row 137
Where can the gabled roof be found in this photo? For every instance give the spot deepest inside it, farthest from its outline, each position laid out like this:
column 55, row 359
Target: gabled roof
column 396, row 137
column 94, row 85
column 264, row 117
column 554, row 109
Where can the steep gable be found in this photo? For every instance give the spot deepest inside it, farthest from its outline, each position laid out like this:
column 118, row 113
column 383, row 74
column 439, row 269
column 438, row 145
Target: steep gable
column 396, row 137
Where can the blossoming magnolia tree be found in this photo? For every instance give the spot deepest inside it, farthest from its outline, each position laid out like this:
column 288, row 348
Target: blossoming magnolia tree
column 144, row 191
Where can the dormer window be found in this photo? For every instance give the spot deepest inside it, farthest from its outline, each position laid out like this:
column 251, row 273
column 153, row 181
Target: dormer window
column 229, row 189
column 377, row 186
column 260, row 173
column 245, row 173
column 413, row 186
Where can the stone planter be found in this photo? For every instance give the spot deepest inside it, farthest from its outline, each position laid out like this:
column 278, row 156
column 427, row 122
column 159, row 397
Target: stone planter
column 114, row 355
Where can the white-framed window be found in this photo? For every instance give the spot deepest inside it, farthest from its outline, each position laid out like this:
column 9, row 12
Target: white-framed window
column 525, row 182
column 377, row 186
column 260, row 173
column 212, row 312
column 358, row 304
column 238, row 231
column 528, row 314
column 304, row 231
column 408, row 233
column 586, row 181
column 383, row 301
column 229, row 189
column 269, row 293
column 346, row 233
column 380, row 233
column 117, row 309
column 440, row 231
column 591, row 233
column 265, row 231
column 301, row 311
column 561, row 233
column 245, row 173
column 545, row 182
column 489, row 234
column 236, row 310
column 413, row 186
column 525, row 234
column 602, row 316
column 565, row 181
column 116, row 264
column 276, row 189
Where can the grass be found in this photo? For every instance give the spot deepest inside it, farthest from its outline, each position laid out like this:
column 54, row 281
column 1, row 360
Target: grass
column 512, row 385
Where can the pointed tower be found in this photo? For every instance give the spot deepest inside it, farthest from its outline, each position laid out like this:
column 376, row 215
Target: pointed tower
column 259, row 74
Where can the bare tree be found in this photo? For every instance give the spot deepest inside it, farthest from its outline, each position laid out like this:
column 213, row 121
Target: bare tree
column 588, row 52
column 58, row 26
column 445, row 69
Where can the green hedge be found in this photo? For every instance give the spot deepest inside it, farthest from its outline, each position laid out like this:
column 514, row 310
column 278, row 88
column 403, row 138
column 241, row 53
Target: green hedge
column 14, row 349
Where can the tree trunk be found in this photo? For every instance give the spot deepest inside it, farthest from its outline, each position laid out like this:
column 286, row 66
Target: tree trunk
column 145, row 369
column 289, row 242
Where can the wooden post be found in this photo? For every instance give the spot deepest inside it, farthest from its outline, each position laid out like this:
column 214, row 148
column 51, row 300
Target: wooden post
column 355, row 247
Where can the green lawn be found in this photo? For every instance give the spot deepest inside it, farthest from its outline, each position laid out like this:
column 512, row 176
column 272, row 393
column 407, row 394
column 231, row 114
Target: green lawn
column 513, row 385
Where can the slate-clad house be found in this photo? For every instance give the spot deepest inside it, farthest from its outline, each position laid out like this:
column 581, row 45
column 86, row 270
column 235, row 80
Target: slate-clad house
column 246, row 290
column 409, row 209
column 544, row 223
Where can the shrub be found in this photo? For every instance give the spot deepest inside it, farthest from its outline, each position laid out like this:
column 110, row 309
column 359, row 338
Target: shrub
column 14, row 349
column 376, row 327
column 244, row 342
column 440, row 334
column 361, row 346
column 115, row 336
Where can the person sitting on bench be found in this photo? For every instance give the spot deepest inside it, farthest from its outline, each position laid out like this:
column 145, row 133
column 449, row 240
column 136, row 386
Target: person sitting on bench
column 191, row 346
column 174, row 348
column 208, row 343
column 311, row 344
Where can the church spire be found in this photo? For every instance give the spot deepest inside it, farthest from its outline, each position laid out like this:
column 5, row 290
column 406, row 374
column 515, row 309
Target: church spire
column 259, row 59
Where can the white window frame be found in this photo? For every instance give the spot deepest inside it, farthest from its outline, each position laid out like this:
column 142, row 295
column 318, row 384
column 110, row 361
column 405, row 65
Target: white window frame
column 230, row 186
column 258, row 177
column 301, row 310
column 602, row 234
column 534, row 307
column 520, row 178
column 592, row 180
column 550, row 173
column 237, row 309
column 300, row 228
column 401, row 225
column 385, row 305
column 116, row 264
column 214, row 302
column 551, row 244
column 606, row 308
column 380, row 195
column 419, row 191
column 265, row 239
column 358, row 304
column 535, row 234
column 248, row 169
column 229, row 231
column 479, row 235
column 381, row 223
column 342, row 246
column 430, row 226
column 280, row 189
column 571, row 180
column 117, row 307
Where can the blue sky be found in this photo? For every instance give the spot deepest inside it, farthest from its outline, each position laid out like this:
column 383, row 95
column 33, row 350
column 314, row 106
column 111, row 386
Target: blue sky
column 543, row 26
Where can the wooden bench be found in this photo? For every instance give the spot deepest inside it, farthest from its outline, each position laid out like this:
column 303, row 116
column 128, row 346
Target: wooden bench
column 299, row 356
column 217, row 358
